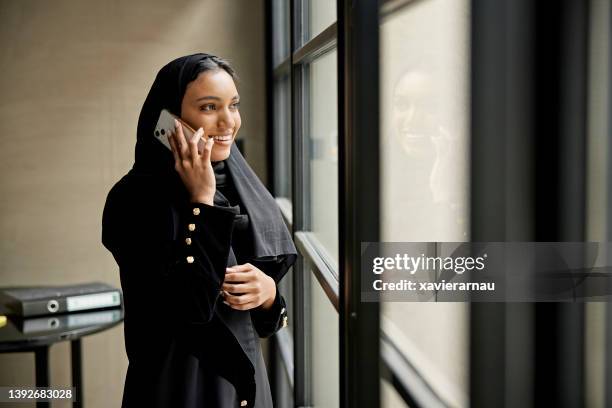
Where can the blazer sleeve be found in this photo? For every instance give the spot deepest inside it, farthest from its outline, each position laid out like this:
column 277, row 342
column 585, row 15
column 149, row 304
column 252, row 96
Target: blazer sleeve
column 268, row 321
column 174, row 258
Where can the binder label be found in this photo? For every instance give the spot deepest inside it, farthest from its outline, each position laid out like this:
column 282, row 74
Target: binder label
column 94, row 301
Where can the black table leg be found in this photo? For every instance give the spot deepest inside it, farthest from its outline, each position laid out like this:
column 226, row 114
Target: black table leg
column 41, row 356
column 77, row 375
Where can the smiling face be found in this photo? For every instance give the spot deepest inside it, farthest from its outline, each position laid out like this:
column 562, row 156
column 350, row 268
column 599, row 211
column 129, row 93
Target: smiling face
column 211, row 101
column 413, row 114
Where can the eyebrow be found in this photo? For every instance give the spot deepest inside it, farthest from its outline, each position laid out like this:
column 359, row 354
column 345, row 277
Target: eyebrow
column 215, row 98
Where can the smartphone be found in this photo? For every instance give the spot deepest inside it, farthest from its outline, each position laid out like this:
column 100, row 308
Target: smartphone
column 165, row 127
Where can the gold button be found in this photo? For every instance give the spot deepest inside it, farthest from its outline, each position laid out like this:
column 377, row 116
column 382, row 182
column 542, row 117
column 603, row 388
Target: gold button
column 196, row 211
column 190, row 259
column 282, row 310
column 284, row 321
column 188, row 241
column 243, row 403
column 191, row 227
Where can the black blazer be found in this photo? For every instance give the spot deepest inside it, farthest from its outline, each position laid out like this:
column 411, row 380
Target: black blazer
column 185, row 347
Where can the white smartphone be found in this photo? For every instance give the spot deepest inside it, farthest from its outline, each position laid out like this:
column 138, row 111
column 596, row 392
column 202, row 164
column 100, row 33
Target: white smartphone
column 165, row 127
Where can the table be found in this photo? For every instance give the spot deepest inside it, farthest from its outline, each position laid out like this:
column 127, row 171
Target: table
column 38, row 334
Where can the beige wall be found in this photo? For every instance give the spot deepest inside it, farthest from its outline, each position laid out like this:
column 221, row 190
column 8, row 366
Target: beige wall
column 74, row 76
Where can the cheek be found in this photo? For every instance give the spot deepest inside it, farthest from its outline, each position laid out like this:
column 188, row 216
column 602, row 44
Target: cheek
column 193, row 119
column 237, row 121
column 206, row 121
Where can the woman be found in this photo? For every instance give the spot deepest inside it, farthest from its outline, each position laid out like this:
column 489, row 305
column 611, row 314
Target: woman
column 201, row 245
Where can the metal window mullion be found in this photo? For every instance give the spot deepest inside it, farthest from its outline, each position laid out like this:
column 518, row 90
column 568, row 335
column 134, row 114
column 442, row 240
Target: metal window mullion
column 608, row 318
column 501, row 196
column 316, row 47
column 305, row 6
column 286, row 209
column 405, row 378
column 358, row 204
column 320, row 267
column 317, row 251
column 302, row 393
column 282, row 69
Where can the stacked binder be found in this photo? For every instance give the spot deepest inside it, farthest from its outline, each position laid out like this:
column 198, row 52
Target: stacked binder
column 48, row 300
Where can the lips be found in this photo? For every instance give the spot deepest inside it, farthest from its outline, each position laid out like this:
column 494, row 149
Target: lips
column 224, row 139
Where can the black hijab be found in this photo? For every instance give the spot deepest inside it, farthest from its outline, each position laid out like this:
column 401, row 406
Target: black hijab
column 270, row 236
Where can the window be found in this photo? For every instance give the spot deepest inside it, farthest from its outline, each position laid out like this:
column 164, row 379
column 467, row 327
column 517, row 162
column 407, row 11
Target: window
column 424, row 174
column 441, row 121
column 305, row 101
column 323, row 166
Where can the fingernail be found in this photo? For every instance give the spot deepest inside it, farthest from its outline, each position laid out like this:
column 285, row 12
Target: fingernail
column 199, row 132
column 226, row 303
column 176, row 124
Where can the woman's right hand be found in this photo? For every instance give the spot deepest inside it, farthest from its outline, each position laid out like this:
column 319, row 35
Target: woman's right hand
column 194, row 168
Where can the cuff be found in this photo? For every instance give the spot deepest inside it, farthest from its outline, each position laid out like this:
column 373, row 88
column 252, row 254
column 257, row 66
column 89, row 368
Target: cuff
column 206, row 238
column 269, row 321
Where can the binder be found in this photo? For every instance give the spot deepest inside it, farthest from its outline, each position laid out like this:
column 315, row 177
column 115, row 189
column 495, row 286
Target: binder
column 48, row 300
column 69, row 321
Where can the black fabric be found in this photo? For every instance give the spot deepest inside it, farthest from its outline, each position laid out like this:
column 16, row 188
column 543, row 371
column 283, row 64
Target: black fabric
column 185, row 347
column 271, row 239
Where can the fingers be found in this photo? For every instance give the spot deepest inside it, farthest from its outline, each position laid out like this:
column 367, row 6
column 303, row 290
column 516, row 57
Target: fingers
column 243, row 287
column 208, row 144
column 193, row 144
column 173, row 148
column 248, row 306
column 240, row 268
column 179, row 137
column 240, row 277
column 241, row 302
column 202, row 142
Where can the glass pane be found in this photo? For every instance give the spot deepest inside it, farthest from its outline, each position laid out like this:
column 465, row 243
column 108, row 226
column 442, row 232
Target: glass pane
column 424, row 173
column 282, row 138
column 325, row 354
column 389, row 396
column 322, row 15
column 324, row 152
column 280, row 31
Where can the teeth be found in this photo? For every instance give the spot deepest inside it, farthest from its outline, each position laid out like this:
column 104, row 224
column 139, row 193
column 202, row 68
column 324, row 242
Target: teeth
column 222, row 138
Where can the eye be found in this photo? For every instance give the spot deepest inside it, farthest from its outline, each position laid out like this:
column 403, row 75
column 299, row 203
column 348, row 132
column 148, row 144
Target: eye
column 207, row 107
column 236, row 105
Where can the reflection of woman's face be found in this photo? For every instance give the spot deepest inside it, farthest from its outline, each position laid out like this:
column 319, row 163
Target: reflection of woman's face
column 412, row 114
column 211, row 102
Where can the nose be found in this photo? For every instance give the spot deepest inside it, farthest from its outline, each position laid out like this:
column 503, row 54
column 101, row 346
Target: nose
column 226, row 119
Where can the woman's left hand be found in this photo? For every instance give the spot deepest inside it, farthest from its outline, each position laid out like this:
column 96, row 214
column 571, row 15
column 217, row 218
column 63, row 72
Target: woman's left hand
column 247, row 287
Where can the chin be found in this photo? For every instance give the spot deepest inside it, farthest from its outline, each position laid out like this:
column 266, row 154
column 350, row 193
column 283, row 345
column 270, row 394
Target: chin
column 220, row 154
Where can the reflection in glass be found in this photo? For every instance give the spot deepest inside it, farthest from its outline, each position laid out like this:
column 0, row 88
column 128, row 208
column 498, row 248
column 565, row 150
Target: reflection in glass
column 424, row 174
column 324, row 152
